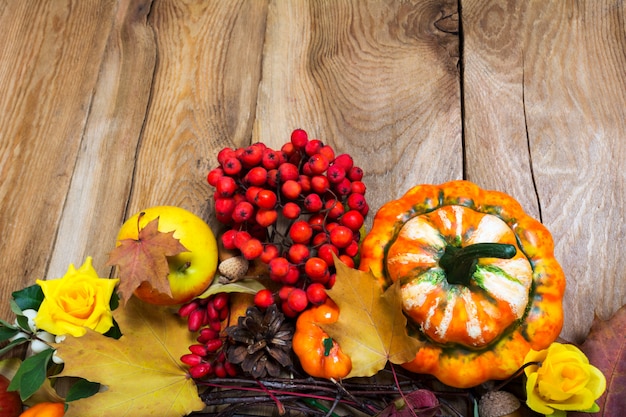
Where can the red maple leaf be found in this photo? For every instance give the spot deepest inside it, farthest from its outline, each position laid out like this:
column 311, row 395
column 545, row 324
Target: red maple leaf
column 145, row 259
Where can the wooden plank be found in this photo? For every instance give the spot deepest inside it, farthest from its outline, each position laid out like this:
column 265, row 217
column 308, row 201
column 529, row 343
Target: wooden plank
column 203, row 98
column 102, row 179
column 376, row 80
column 545, row 92
column 49, row 61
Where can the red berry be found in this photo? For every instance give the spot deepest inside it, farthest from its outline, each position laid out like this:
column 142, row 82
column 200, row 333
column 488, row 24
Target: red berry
column 316, row 293
column 252, row 249
column 219, row 370
column 305, row 183
column 284, row 291
column 241, row 237
column 207, row 334
column 243, row 212
column 224, row 154
column 347, row 260
column 256, row 176
column 356, row 201
column 352, row 249
column 300, row 231
column 335, row 173
column 196, row 320
column 199, row 350
column 266, row 199
column 297, row 300
column 341, row 236
column 298, row 253
column 288, row 311
column 271, row 159
column 251, row 155
column 292, row 277
column 214, row 175
column 291, row 189
column 232, row 166
column 352, row 219
column 318, row 239
column 266, row 217
column 213, row 345
column 288, row 171
column 263, row 298
column 272, row 177
column 317, row 222
column 326, row 251
column 270, row 251
column 299, row 138
column 313, row 146
column 358, row 187
column 345, row 161
column 316, row 268
column 191, row 359
column 288, row 149
column 328, row 152
column 226, row 186
column 224, row 208
column 220, row 300
column 252, row 192
column 200, row 370
column 231, row 369
column 291, row 210
column 320, row 184
column 186, row 309
column 334, row 207
column 343, row 187
column 355, row 174
column 318, row 163
column 278, row 268
column 313, row 203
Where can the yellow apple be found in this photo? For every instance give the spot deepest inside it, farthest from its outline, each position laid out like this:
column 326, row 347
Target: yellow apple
column 190, row 272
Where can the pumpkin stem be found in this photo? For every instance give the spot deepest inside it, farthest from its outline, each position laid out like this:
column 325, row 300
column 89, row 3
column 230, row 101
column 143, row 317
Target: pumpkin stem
column 460, row 263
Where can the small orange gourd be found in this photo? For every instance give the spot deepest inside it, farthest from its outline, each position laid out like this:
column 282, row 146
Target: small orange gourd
column 479, row 281
column 319, row 355
column 45, row 409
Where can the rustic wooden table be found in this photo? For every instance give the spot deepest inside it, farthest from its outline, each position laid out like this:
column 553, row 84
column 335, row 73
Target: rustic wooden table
column 110, row 106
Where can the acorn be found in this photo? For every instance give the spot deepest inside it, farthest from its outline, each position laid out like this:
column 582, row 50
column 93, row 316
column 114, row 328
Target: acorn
column 499, row 404
column 234, row 268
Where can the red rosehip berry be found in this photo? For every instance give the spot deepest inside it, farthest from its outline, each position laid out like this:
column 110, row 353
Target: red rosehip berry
column 299, row 138
column 300, row 231
column 291, row 189
column 252, row 249
column 297, row 300
column 352, row 219
column 266, row 217
column 263, row 298
column 256, row 176
column 341, row 236
column 313, row 203
column 291, row 210
column 315, row 268
column 316, row 293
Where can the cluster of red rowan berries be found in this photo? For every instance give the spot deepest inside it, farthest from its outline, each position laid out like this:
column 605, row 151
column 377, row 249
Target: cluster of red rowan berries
column 294, row 209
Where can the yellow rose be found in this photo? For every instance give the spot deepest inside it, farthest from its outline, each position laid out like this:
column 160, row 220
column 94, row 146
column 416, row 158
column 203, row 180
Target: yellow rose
column 563, row 381
column 78, row 300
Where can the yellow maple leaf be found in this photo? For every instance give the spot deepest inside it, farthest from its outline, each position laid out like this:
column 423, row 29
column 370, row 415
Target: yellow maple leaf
column 141, row 371
column 371, row 328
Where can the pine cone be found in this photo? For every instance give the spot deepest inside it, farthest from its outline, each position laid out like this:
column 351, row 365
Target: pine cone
column 261, row 342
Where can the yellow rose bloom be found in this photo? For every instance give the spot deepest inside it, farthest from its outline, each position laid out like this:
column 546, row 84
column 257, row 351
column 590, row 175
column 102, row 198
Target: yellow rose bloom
column 563, row 381
column 78, row 300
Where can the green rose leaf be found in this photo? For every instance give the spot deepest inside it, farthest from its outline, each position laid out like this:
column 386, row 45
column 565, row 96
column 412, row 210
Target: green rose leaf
column 32, row 374
column 82, row 389
column 29, row 297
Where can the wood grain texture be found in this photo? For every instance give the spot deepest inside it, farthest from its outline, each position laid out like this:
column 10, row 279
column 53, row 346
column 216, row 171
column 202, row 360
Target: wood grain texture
column 576, row 107
column 103, row 175
column 203, row 98
column 362, row 76
column 545, row 105
column 50, row 54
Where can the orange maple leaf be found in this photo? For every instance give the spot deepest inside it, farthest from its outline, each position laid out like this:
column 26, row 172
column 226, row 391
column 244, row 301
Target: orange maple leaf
column 145, row 259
